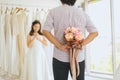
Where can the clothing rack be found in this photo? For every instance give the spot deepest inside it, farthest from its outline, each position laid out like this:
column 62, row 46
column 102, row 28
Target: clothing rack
column 23, row 5
column 26, row 6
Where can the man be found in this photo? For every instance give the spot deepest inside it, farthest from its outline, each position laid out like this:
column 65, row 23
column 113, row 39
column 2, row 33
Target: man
column 58, row 19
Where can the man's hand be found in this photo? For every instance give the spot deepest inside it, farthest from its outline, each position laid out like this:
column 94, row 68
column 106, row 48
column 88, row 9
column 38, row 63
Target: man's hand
column 77, row 44
column 64, row 47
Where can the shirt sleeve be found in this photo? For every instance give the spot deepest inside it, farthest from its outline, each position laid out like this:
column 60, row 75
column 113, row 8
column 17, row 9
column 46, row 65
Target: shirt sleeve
column 89, row 25
column 49, row 22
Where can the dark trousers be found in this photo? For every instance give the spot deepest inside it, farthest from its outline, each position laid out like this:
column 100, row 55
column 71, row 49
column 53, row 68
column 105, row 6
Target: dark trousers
column 61, row 70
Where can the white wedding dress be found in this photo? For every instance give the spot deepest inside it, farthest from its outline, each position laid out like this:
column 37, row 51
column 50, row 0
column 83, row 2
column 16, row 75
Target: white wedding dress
column 36, row 63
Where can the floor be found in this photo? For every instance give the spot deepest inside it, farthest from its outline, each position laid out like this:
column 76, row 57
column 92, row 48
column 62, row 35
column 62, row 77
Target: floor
column 87, row 78
column 91, row 78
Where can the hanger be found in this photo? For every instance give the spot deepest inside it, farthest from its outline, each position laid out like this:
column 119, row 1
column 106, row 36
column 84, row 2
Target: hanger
column 6, row 10
column 18, row 9
column 25, row 9
column 12, row 10
column 37, row 9
column 43, row 10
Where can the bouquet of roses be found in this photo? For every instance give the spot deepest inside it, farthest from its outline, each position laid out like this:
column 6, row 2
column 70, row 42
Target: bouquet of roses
column 74, row 37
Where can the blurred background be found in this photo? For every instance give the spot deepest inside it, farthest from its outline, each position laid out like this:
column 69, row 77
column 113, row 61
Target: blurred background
column 102, row 55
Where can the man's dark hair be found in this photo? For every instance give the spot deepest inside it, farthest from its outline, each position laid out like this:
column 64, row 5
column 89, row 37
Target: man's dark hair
column 68, row 2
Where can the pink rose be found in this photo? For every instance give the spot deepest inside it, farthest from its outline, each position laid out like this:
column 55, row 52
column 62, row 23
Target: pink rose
column 67, row 30
column 69, row 36
column 79, row 37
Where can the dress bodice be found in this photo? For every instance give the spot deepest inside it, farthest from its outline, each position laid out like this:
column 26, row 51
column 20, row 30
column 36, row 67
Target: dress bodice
column 37, row 43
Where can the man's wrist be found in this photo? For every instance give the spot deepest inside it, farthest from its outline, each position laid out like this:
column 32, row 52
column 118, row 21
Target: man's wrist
column 58, row 45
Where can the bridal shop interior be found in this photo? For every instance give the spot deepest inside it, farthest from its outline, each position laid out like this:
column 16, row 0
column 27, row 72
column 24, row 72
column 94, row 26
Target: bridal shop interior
column 102, row 56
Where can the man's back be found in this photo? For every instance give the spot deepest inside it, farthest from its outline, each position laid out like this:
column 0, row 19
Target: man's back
column 58, row 19
column 67, row 16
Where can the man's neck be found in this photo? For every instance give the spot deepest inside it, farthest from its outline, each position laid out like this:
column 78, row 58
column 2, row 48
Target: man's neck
column 66, row 4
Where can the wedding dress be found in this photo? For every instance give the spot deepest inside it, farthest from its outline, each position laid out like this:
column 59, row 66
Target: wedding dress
column 36, row 63
column 8, row 41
